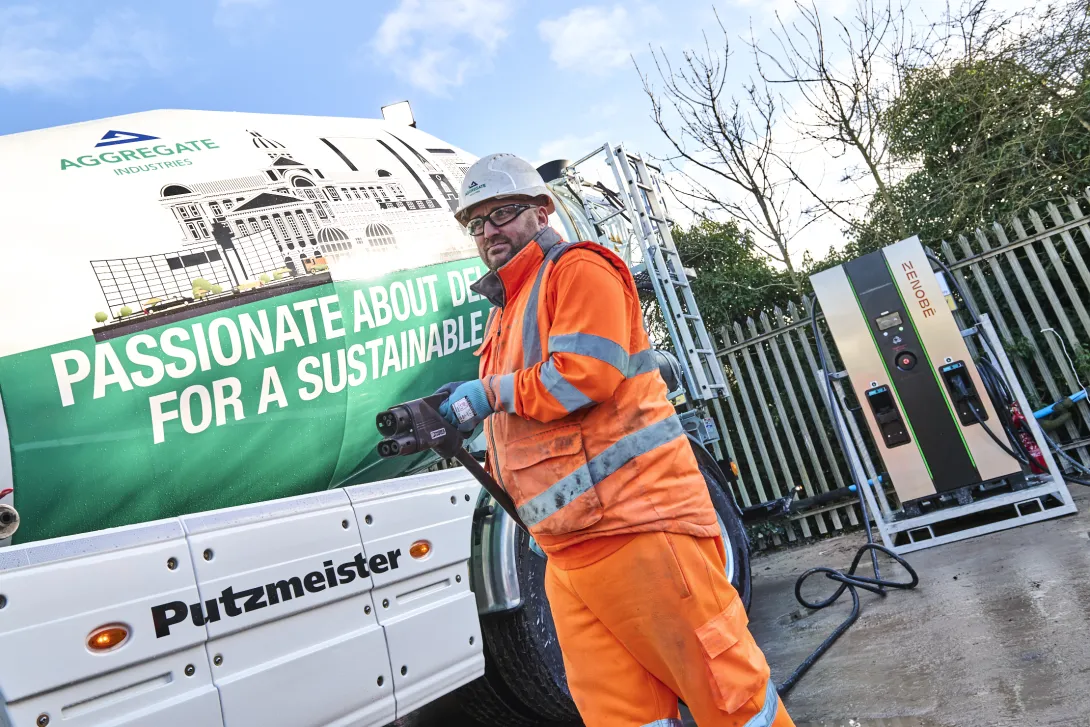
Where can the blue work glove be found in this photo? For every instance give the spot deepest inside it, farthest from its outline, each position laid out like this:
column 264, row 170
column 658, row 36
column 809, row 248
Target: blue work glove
column 467, row 406
column 448, row 389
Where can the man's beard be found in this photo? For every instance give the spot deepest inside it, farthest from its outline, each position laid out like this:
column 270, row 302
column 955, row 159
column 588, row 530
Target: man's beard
column 506, row 254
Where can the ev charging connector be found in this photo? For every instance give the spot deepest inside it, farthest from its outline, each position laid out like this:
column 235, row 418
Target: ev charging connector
column 416, row 425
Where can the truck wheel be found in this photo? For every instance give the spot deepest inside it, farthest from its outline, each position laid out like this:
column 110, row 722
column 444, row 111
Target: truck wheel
column 482, row 701
column 523, row 663
column 735, row 540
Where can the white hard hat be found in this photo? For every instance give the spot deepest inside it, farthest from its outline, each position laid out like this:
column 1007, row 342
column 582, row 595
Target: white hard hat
column 500, row 175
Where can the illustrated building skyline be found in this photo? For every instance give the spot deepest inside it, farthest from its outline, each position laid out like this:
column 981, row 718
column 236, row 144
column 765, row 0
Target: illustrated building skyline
column 290, row 215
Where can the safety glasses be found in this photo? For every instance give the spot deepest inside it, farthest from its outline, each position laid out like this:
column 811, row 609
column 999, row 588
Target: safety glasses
column 498, row 217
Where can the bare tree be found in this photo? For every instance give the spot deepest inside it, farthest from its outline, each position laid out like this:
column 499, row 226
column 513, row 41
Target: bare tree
column 948, row 122
column 844, row 81
column 725, row 139
column 1056, row 51
column 1050, row 42
column 994, row 112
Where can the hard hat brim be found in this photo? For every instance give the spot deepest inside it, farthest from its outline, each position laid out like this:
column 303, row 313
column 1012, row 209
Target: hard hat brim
column 464, row 214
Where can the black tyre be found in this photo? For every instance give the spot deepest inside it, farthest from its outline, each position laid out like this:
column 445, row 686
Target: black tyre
column 735, row 540
column 483, row 701
column 524, row 682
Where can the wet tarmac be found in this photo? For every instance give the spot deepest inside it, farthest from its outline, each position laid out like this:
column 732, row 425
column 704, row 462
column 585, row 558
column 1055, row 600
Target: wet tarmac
column 997, row 634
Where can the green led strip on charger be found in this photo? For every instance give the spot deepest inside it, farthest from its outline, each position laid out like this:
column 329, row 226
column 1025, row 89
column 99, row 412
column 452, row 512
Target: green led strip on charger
column 942, row 388
column 889, row 375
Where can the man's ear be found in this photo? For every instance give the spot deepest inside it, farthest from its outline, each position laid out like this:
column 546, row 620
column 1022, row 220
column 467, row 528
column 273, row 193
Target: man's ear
column 542, row 212
column 542, row 217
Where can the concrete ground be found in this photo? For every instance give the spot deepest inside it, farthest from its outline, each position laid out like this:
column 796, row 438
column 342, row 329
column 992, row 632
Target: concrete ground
column 996, row 634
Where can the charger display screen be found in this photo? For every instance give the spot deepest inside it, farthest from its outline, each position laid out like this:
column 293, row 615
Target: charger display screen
column 889, row 320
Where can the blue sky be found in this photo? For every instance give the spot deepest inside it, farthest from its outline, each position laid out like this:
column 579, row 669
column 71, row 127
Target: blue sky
column 544, row 80
column 539, row 79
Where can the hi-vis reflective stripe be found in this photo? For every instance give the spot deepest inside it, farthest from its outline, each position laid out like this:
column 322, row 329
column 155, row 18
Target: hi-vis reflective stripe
column 612, row 459
column 767, row 715
column 547, row 240
column 606, row 351
column 603, row 349
column 507, row 393
column 569, row 397
column 665, row 723
column 641, row 363
column 587, row 344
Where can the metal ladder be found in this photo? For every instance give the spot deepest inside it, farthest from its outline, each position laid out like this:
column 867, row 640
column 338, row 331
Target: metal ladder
column 638, row 202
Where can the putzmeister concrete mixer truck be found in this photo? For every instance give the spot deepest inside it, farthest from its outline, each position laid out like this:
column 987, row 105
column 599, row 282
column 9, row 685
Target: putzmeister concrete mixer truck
column 195, row 527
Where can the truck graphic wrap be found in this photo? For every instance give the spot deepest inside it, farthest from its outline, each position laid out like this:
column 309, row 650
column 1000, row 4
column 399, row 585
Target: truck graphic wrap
column 218, row 306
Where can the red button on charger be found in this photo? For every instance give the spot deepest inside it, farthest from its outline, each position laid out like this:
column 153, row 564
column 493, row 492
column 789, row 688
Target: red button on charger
column 906, row 361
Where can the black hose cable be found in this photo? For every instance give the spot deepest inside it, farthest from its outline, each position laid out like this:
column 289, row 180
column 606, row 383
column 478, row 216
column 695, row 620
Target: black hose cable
column 1070, row 460
column 848, row 582
column 1002, row 397
column 1079, row 466
column 996, row 385
column 1021, row 458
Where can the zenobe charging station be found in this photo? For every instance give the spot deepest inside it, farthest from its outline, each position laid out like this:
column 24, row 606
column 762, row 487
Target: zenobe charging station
column 946, row 425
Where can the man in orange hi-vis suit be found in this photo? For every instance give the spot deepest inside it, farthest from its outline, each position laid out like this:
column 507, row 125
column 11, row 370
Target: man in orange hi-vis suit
column 581, row 435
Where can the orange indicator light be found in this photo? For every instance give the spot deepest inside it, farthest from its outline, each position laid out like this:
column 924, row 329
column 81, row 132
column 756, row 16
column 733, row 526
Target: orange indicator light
column 420, row 549
column 107, row 638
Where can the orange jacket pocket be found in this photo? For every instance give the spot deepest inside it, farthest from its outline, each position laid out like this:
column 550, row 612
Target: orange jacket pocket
column 484, row 355
column 736, row 667
column 555, row 491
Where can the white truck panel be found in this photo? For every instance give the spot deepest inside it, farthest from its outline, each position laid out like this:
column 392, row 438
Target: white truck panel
column 296, row 644
column 438, row 526
column 281, row 624
column 255, row 547
column 72, row 586
column 152, row 694
column 312, row 668
column 399, row 500
column 437, row 645
column 426, row 607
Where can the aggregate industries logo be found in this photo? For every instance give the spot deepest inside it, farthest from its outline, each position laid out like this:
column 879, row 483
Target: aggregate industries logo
column 112, row 138
column 179, row 150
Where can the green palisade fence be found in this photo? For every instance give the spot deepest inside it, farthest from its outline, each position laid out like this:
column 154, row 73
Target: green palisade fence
column 1027, row 275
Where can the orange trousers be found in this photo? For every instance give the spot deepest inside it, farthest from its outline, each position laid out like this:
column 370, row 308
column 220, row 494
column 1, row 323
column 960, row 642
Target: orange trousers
column 658, row 621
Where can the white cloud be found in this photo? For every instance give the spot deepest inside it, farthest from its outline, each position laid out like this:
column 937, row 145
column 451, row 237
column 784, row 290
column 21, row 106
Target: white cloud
column 595, row 39
column 42, row 51
column 435, row 44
